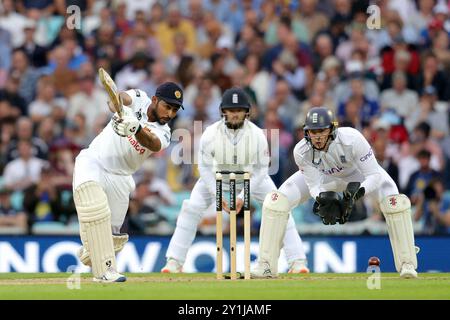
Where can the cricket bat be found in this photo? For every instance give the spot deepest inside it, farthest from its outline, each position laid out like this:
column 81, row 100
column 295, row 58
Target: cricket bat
column 111, row 89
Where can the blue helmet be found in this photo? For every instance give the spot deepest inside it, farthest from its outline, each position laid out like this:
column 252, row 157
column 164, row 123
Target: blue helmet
column 319, row 118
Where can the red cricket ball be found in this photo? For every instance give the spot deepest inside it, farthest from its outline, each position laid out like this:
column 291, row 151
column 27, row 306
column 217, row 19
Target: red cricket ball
column 374, row 261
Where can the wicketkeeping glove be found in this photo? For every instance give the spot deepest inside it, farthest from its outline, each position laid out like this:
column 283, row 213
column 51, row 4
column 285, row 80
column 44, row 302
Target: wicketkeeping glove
column 328, row 207
column 352, row 193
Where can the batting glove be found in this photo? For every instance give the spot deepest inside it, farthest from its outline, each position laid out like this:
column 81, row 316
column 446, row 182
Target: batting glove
column 126, row 126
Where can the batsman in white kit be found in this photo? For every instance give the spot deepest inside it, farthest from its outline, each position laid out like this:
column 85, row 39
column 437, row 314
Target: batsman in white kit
column 333, row 160
column 232, row 144
column 102, row 180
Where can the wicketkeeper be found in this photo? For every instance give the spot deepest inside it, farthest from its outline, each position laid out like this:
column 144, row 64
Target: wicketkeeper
column 336, row 167
column 102, row 180
column 232, row 144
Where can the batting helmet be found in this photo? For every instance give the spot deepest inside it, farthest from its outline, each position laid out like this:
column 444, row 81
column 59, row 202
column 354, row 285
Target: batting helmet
column 235, row 98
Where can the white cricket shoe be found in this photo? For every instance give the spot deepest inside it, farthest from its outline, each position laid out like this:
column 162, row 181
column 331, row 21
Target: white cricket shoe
column 298, row 266
column 262, row 271
column 408, row 271
column 172, row 266
column 111, row 275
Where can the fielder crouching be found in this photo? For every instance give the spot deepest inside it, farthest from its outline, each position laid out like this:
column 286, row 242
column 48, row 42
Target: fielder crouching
column 102, row 180
column 333, row 160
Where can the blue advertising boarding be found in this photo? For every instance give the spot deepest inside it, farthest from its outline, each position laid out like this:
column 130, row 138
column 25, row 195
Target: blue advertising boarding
column 342, row 254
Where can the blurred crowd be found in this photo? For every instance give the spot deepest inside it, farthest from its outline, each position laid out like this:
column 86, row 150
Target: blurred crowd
column 387, row 75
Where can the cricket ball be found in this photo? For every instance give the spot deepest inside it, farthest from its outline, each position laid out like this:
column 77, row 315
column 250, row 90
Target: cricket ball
column 374, row 261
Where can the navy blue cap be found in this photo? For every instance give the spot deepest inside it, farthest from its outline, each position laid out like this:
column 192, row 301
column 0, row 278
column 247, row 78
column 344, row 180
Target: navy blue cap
column 171, row 93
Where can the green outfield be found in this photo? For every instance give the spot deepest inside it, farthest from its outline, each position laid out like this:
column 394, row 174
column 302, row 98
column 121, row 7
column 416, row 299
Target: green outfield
column 205, row 286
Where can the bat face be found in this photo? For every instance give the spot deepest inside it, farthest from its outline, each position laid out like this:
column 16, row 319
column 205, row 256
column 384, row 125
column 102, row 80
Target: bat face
column 111, row 89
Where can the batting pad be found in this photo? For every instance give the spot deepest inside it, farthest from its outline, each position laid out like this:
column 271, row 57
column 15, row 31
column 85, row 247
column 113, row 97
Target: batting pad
column 95, row 226
column 119, row 242
column 397, row 211
column 275, row 214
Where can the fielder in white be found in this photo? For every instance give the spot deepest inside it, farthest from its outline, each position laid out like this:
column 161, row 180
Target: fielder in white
column 231, row 144
column 333, row 160
column 102, row 180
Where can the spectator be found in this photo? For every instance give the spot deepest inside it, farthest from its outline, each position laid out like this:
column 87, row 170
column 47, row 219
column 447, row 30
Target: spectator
column 174, row 24
column 433, row 112
column 135, row 72
column 380, row 147
column 24, row 131
column 27, row 74
column 217, row 74
column 140, row 40
column 13, row 22
column 420, row 178
column 314, row 20
column 5, row 55
column 90, row 101
column 11, row 94
column 287, row 40
column 323, row 48
column 441, row 45
column 258, row 79
column 37, row 55
column 11, row 217
column 359, row 109
column 62, row 75
column 46, row 102
column 432, row 76
column 287, row 104
column 433, row 208
column 399, row 98
column 43, row 200
column 24, row 171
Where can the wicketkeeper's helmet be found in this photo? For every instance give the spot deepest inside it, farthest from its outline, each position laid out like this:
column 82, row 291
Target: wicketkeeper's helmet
column 320, row 118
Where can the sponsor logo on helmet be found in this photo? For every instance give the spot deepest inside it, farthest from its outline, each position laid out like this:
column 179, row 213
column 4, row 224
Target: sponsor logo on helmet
column 234, row 98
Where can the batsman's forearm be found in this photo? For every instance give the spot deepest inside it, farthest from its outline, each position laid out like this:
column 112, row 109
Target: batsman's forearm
column 149, row 140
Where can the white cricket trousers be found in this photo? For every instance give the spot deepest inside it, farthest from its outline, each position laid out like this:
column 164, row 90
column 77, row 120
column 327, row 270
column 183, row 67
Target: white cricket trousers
column 116, row 187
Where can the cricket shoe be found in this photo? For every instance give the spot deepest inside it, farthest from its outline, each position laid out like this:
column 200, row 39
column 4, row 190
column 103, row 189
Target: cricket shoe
column 110, row 276
column 298, row 266
column 262, row 271
column 172, row 266
column 408, row 271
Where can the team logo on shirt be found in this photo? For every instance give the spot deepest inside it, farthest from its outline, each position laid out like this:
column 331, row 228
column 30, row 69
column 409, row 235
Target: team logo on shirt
column 343, row 160
column 138, row 114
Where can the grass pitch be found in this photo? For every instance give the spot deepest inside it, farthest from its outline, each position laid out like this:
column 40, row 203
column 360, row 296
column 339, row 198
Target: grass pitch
column 204, row 286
